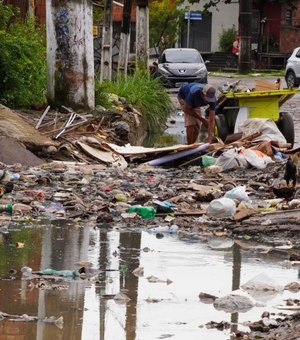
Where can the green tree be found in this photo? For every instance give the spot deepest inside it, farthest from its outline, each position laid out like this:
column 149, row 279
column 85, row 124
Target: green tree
column 213, row 3
column 165, row 18
column 226, row 39
column 22, row 60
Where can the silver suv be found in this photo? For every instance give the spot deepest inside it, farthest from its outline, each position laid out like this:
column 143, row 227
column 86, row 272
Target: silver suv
column 292, row 69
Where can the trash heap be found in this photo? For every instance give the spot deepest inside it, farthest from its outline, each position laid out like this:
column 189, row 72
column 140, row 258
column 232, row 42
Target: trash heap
column 89, row 170
column 190, row 201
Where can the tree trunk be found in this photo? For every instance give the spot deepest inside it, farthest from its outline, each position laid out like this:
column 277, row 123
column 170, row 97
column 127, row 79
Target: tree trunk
column 245, row 32
column 106, row 50
column 70, row 55
column 125, row 37
column 142, row 34
column 30, row 9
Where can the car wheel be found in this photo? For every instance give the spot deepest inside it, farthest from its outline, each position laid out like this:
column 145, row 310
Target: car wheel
column 286, row 126
column 290, row 79
column 221, row 127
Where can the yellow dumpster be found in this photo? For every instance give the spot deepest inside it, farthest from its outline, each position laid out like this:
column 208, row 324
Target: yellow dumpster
column 254, row 104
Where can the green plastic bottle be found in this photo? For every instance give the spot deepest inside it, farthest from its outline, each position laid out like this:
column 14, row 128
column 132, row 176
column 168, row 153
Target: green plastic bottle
column 144, row 212
column 6, row 208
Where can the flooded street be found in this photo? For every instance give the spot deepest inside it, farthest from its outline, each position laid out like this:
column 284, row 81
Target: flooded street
column 111, row 278
column 169, row 307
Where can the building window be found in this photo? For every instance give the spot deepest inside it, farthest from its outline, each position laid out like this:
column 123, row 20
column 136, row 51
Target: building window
column 288, row 16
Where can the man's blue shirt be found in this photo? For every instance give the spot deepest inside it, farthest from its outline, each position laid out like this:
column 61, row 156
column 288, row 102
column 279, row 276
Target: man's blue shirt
column 190, row 93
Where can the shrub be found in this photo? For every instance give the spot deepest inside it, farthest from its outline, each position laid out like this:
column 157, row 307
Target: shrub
column 22, row 61
column 142, row 91
column 226, row 39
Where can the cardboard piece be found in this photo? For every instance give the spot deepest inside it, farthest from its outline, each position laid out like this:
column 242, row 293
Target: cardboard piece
column 266, row 85
column 107, row 157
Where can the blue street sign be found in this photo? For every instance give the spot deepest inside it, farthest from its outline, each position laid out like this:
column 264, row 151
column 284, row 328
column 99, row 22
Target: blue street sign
column 193, row 16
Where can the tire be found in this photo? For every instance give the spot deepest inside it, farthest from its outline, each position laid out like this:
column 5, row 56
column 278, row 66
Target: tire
column 286, row 126
column 221, row 127
column 291, row 80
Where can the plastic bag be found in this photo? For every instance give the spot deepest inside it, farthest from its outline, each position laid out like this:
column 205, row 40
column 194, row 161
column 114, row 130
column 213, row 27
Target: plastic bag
column 221, row 207
column 232, row 159
column 268, row 128
column 208, row 160
column 257, row 158
column 238, row 193
column 234, row 303
column 262, row 288
column 164, row 229
column 262, row 282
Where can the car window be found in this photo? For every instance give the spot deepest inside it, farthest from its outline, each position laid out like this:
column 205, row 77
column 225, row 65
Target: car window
column 162, row 58
column 298, row 54
column 183, row 57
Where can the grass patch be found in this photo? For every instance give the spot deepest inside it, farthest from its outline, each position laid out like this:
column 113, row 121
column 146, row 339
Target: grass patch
column 143, row 92
column 253, row 74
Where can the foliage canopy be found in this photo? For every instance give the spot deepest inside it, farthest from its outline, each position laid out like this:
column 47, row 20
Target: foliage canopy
column 165, row 18
column 227, row 37
column 213, row 3
column 22, row 60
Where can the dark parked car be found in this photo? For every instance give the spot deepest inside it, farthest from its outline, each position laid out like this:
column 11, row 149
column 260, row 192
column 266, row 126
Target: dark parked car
column 178, row 66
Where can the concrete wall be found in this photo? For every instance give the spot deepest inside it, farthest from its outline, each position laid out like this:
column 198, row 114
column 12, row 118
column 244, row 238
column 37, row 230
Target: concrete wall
column 223, row 17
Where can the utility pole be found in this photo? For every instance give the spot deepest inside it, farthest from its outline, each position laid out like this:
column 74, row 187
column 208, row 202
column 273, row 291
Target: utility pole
column 70, row 54
column 106, row 49
column 245, row 33
column 142, row 34
column 125, row 37
column 188, row 29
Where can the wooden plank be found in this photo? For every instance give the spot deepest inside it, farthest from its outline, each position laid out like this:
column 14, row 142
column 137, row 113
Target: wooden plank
column 42, row 117
column 184, row 213
column 265, row 85
column 107, row 157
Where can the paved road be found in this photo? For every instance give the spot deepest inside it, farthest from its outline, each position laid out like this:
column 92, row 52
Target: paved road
column 292, row 105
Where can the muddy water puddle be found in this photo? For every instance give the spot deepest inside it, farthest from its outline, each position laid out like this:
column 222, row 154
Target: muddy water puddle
column 164, row 300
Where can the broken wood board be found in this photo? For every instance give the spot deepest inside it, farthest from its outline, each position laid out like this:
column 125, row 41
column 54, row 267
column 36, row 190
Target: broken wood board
column 11, row 152
column 275, row 217
column 107, row 157
column 14, row 126
column 265, row 85
column 140, row 150
column 203, row 188
column 184, row 213
column 244, row 214
column 42, row 117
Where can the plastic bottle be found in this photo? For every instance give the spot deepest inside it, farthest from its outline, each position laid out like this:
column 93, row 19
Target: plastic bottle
column 26, row 271
column 6, row 208
column 145, row 212
column 64, row 273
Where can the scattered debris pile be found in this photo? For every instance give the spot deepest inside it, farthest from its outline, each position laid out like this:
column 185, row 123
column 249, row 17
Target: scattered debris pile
column 201, row 191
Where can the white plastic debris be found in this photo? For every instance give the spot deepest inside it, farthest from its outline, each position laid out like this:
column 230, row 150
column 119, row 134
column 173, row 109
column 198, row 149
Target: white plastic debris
column 238, row 193
column 262, row 282
column 221, row 207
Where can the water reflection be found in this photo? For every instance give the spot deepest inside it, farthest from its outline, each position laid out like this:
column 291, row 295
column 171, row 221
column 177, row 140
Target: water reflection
column 236, row 281
column 155, row 310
